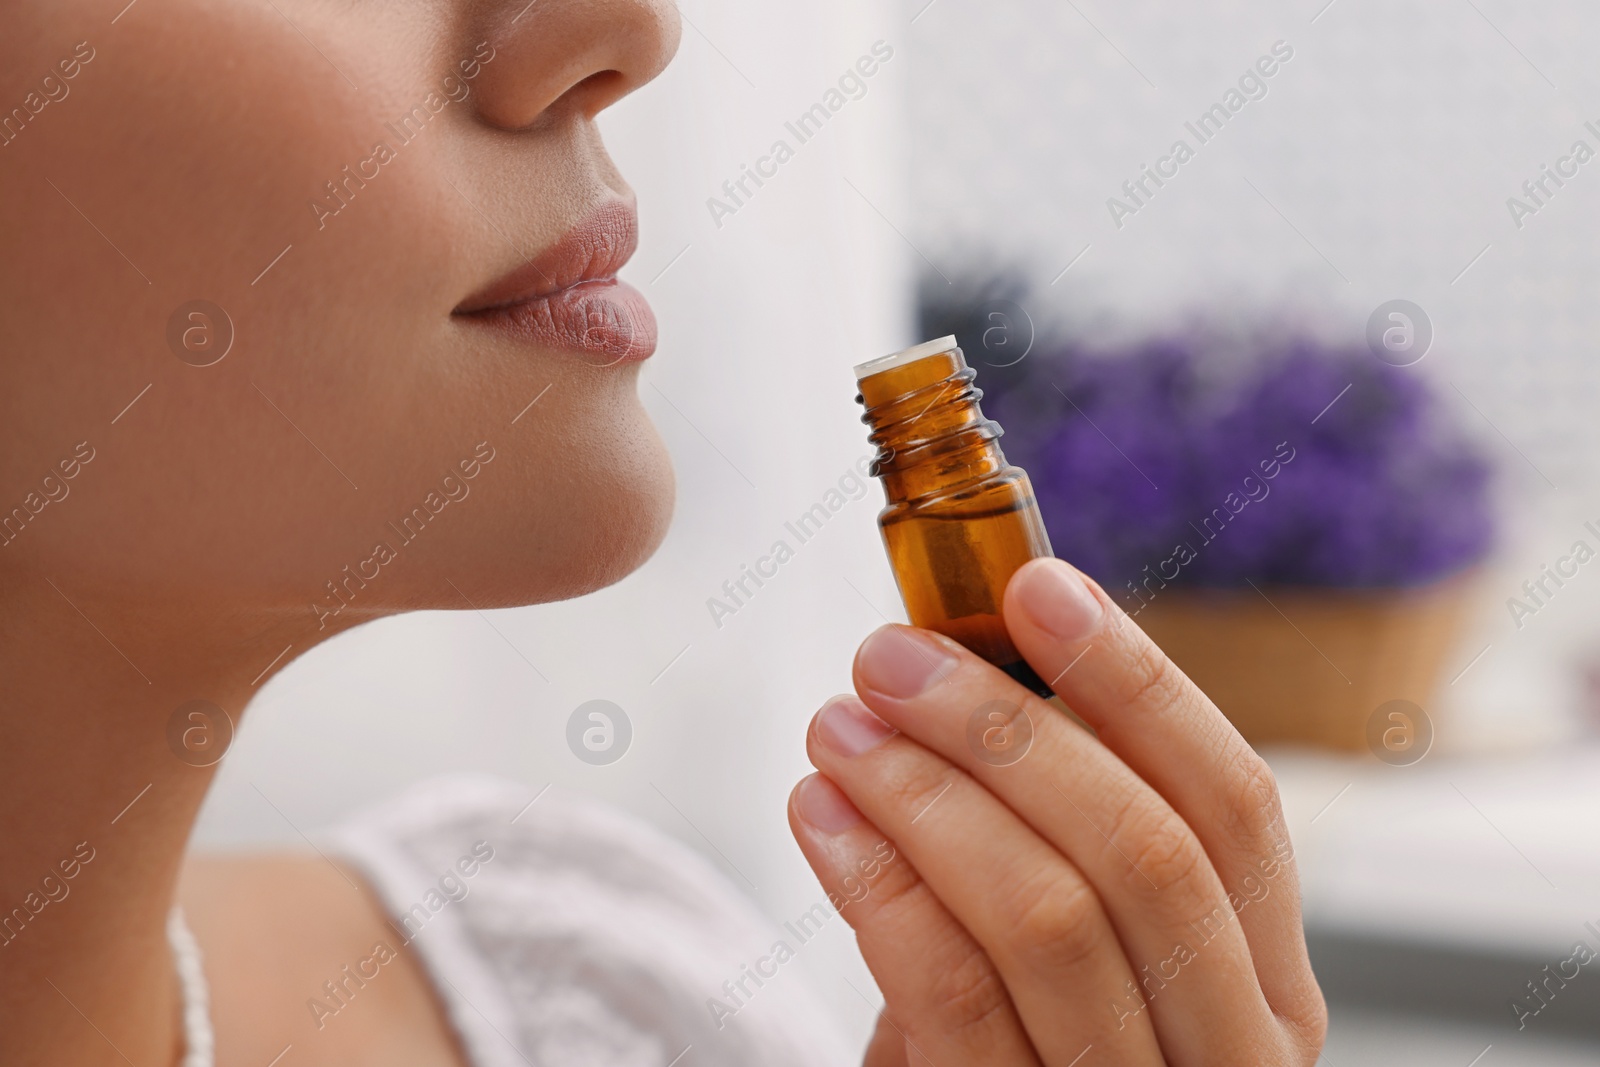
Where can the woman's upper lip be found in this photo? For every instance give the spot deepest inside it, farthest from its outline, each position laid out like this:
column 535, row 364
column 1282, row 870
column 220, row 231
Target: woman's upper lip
column 592, row 251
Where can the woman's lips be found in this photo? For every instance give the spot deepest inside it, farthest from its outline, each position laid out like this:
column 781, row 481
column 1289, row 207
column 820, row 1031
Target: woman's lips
column 604, row 318
column 569, row 296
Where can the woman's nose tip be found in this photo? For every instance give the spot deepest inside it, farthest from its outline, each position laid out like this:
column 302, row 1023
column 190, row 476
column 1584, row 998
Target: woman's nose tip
column 590, row 52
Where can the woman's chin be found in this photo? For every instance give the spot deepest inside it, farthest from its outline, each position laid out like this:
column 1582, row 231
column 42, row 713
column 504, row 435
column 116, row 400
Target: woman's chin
column 603, row 522
column 617, row 544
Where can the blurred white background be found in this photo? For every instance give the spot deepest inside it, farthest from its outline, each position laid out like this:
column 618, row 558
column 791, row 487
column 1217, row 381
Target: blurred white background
column 1377, row 166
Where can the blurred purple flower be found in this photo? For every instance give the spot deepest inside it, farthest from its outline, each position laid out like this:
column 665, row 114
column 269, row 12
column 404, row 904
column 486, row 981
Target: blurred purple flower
column 1129, row 452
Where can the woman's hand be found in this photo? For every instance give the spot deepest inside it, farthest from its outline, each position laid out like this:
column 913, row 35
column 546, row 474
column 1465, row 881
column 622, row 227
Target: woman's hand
column 1067, row 899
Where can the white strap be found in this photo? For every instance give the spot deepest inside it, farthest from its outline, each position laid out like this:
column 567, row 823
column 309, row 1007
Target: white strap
column 199, row 1041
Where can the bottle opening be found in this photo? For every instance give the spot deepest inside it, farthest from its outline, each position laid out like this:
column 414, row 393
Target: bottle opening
column 908, row 355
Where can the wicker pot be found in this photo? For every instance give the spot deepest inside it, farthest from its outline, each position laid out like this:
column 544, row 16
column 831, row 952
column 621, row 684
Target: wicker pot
column 1305, row 664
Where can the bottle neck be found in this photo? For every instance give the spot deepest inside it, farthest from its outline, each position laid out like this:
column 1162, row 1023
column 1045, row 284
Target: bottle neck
column 931, row 436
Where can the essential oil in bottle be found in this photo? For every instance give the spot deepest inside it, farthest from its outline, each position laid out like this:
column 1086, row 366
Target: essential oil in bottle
column 959, row 520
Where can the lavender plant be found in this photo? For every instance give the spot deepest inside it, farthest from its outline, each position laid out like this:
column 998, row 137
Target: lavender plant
column 1136, row 452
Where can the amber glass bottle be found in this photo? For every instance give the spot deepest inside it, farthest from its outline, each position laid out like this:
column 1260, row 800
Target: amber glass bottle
column 959, row 520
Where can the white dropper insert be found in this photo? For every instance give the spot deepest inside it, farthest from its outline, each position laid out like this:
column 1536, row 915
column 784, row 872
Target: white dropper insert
column 909, row 355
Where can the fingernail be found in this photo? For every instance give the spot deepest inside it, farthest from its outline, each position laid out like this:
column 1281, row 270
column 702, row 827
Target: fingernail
column 1058, row 600
column 900, row 662
column 822, row 805
column 849, row 728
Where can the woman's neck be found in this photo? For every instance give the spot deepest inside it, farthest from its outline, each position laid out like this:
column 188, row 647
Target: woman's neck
column 98, row 798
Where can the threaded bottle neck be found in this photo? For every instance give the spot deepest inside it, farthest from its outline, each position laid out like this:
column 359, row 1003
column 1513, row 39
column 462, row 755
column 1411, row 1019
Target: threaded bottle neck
column 931, row 436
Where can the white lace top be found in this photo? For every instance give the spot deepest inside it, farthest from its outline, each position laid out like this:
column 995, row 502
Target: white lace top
column 566, row 934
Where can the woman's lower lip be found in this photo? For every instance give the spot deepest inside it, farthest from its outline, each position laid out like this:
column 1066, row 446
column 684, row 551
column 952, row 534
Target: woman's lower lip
column 607, row 322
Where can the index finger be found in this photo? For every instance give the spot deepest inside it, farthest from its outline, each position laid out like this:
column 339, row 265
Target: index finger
column 1148, row 712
